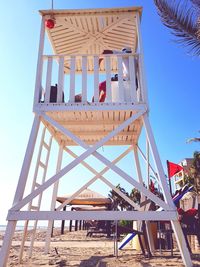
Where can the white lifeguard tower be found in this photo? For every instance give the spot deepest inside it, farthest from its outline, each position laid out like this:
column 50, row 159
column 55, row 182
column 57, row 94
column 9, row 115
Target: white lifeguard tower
column 78, row 40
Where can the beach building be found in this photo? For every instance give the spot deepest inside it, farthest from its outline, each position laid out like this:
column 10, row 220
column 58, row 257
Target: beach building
column 90, row 92
column 189, row 200
column 179, row 177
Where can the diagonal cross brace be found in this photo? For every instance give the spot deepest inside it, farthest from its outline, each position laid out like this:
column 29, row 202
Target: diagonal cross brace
column 100, row 176
column 116, row 169
column 75, row 162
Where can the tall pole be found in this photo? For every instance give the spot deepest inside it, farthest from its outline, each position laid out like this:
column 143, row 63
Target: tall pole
column 169, row 178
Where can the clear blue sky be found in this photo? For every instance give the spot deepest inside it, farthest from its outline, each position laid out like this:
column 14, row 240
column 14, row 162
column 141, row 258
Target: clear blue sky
column 172, row 79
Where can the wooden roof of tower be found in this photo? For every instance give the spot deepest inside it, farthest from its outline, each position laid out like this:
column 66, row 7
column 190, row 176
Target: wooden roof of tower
column 90, row 31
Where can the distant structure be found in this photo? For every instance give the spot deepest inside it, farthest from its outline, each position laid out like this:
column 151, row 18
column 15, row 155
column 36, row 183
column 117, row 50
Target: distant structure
column 190, row 199
column 179, row 177
column 90, row 46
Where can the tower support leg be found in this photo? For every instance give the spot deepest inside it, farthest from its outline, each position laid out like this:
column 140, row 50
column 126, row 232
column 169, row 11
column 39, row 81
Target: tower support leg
column 175, row 224
column 53, row 201
column 181, row 243
column 10, row 229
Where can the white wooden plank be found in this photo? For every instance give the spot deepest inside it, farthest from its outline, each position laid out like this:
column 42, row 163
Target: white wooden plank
column 143, row 156
column 60, row 80
column 53, row 201
column 108, row 79
column 96, row 79
column 132, row 79
column 27, row 161
column 157, row 161
column 72, row 79
column 120, row 78
column 137, row 165
column 48, row 80
column 141, row 62
column 93, row 215
column 7, row 241
column 182, row 243
column 38, row 82
column 93, row 106
column 84, row 79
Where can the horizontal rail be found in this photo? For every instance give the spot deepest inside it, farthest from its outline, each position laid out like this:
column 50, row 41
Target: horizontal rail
column 45, row 57
column 93, row 215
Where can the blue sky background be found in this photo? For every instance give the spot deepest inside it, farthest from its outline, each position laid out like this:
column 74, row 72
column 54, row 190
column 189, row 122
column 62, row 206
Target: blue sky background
column 172, row 80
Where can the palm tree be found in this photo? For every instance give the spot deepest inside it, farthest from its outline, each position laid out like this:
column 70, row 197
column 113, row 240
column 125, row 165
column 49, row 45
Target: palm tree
column 135, row 195
column 183, row 18
column 118, row 201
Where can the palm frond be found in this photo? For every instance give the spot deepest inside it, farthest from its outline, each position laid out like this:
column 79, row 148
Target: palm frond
column 182, row 20
column 195, row 139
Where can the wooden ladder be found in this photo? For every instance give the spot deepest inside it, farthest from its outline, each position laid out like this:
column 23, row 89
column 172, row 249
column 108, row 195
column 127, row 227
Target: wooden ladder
column 37, row 181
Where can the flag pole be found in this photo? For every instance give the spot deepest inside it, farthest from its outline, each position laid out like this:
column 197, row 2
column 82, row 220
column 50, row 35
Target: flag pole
column 170, row 225
column 169, row 178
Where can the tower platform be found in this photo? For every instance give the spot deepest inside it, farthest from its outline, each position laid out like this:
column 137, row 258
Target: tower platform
column 91, row 125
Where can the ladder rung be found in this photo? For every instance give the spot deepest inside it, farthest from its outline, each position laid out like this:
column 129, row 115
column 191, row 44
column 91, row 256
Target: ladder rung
column 34, row 208
column 42, row 164
column 46, row 145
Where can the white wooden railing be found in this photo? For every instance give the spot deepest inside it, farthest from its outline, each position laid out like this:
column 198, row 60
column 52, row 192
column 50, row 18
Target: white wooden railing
column 81, row 74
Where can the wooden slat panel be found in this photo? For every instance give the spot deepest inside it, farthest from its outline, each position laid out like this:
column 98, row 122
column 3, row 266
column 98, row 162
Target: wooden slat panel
column 66, row 38
column 94, row 22
column 72, row 43
column 61, row 32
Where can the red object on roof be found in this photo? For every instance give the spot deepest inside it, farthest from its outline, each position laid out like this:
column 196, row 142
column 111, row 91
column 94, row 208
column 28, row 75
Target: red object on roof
column 50, row 23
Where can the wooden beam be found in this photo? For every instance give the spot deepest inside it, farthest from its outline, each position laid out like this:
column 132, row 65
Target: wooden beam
column 101, row 133
column 92, row 215
column 89, row 122
column 103, row 106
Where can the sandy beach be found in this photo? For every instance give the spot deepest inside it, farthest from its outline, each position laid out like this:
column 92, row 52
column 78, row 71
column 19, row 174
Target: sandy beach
column 75, row 249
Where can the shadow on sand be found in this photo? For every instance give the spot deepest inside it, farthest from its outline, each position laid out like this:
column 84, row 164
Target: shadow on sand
column 100, row 261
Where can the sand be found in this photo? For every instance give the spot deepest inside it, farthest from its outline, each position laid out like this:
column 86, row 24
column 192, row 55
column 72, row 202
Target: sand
column 75, row 249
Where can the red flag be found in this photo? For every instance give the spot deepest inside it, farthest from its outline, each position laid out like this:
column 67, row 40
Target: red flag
column 173, row 168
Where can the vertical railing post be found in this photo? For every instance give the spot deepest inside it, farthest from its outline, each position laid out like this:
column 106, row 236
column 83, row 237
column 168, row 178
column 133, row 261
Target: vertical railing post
column 84, row 79
column 141, row 62
column 48, row 80
column 96, row 79
column 120, row 78
column 60, row 80
column 72, row 79
column 132, row 79
column 108, row 79
column 38, row 82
